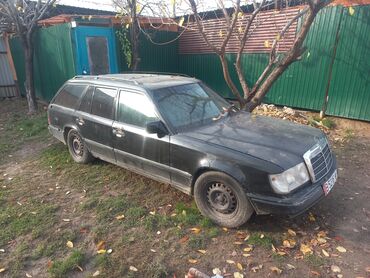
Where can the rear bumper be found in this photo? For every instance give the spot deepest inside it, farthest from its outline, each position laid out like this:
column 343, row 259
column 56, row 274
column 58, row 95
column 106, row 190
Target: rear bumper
column 57, row 133
column 295, row 203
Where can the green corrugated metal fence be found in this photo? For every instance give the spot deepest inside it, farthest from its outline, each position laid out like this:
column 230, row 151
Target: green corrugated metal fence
column 53, row 60
column 159, row 57
column 304, row 84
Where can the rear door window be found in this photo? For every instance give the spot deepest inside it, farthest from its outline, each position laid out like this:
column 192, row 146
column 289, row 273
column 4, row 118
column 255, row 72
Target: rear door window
column 85, row 105
column 69, row 96
column 135, row 109
column 103, row 101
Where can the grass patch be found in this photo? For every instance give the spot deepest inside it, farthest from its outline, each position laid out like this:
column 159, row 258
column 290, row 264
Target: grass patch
column 108, row 209
column 197, row 242
column 16, row 221
column 60, row 268
column 189, row 215
column 157, row 221
column 258, row 240
column 314, row 260
column 56, row 157
column 133, row 216
column 21, row 128
column 157, row 269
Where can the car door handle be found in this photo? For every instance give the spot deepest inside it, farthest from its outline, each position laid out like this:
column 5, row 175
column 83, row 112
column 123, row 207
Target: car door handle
column 119, row 132
column 80, row 121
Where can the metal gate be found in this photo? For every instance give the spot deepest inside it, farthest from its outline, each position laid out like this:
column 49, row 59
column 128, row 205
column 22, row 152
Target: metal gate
column 8, row 86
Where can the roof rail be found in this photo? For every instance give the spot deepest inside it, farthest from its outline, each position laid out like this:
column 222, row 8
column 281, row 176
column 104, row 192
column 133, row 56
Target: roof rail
column 102, row 77
column 157, row 72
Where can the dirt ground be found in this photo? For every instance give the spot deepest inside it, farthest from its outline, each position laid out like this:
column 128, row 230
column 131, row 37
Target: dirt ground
column 61, row 219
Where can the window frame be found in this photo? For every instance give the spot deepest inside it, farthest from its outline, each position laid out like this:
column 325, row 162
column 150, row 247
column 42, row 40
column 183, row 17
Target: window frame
column 92, row 97
column 114, row 104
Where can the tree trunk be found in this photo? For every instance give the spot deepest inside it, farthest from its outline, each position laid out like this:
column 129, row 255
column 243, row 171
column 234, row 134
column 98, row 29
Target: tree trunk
column 135, row 32
column 29, row 83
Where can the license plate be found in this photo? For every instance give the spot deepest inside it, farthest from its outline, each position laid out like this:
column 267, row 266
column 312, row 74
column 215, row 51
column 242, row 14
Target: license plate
column 328, row 185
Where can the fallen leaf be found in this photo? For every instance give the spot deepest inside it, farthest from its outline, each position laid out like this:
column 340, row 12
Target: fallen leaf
column 68, row 192
column 225, row 229
column 192, row 261
column 28, row 275
column 153, row 250
column 341, row 249
column 262, row 236
column 230, row 261
column 96, row 273
column 311, row 217
column 120, row 217
column 335, row 269
column 289, row 243
column 351, row 10
column 315, row 273
column 2, row 270
column 291, row 232
column 273, row 248
column 152, row 212
column 290, row 266
column 305, row 249
column 184, row 239
column 238, row 243
column 66, row 220
column 321, row 240
column 276, row 269
column 102, row 251
column 100, row 245
column 202, row 251
column 80, row 268
column 159, row 232
column 247, row 237
column 321, row 234
column 238, row 275
column 239, row 266
column 281, row 253
column 216, row 271
column 247, row 255
column 132, row 268
column 195, row 230
column 326, row 254
column 69, row 244
column 247, row 249
column 109, row 251
column 2, row 250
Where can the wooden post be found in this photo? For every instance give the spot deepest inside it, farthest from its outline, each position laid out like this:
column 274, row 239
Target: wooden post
column 11, row 63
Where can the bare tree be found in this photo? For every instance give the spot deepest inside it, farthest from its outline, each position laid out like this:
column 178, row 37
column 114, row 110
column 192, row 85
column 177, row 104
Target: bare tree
column 20, row 17
column 252, row 94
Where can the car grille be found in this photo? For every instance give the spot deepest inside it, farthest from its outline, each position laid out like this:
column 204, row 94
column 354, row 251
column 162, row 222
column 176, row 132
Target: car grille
column 319, row 160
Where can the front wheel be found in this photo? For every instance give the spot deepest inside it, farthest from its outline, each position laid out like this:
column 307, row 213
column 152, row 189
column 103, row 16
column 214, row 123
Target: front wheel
column 77, row 148
column 222, row 199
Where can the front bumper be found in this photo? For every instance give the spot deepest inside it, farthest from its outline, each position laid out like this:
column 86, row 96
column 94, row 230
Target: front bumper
column 294, row 203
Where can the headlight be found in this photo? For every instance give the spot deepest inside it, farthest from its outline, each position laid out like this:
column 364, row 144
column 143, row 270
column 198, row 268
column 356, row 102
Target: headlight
column 290, row 179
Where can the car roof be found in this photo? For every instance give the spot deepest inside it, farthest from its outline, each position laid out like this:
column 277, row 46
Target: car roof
column 141, row 80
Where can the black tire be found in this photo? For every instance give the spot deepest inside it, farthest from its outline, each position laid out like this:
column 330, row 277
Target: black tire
column 77, row 148
column 222, row 199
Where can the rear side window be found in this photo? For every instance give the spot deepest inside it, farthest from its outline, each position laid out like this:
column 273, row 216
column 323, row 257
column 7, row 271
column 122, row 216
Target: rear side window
column 85, row 105
column 103, row 100
column 69, row 95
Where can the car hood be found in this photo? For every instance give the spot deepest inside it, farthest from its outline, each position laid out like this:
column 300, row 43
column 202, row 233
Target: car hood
column 278, row 141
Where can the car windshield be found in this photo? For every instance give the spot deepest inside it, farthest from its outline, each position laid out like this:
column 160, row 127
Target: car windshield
column 190, row 105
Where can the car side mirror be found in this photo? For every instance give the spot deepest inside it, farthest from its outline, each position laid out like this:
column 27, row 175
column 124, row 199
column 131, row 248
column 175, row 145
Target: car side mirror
column 157, row 127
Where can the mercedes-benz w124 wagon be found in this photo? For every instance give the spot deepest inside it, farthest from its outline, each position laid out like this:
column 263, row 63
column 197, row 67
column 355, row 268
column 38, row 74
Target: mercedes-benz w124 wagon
column 176, row 130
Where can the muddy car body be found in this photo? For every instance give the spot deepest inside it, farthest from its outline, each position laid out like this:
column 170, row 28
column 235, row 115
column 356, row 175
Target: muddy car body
column 176, row 130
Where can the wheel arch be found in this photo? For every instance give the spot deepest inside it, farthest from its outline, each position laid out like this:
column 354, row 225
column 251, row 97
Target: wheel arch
column 220, row 166
column 66, row 129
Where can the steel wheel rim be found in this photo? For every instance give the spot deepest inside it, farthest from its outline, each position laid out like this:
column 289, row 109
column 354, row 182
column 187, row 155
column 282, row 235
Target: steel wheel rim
column 77, row 146
column 221, row 198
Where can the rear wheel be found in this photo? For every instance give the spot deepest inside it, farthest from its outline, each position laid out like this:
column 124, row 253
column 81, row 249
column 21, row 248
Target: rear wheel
column 77, row 148
column 222, row 199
